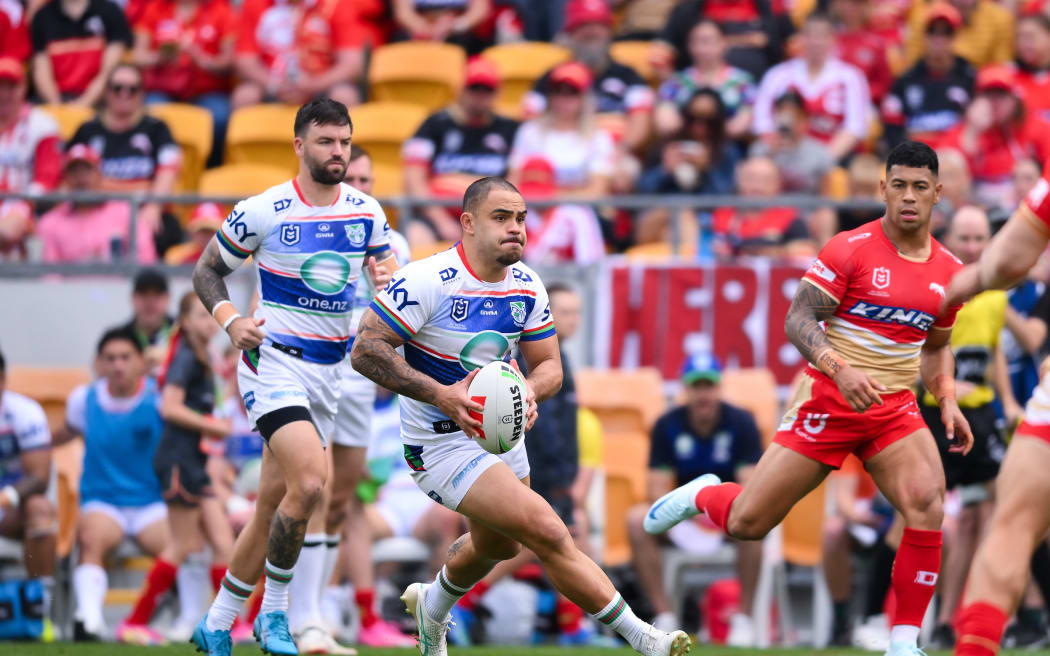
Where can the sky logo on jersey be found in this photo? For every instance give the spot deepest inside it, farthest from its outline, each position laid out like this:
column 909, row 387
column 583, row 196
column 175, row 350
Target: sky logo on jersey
column 290, row 234
column 447, row 274
column 355, row 232
column 236, row 222
column 281, row 205
column 517, row 312
column 460, row 308
column 399, row 294
column 890, row 314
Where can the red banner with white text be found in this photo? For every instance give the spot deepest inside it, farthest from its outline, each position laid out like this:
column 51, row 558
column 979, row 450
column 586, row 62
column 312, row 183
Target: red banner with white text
column 654, row 314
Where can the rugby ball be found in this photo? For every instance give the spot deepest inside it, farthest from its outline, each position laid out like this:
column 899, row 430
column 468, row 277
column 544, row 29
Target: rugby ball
column 501, row 390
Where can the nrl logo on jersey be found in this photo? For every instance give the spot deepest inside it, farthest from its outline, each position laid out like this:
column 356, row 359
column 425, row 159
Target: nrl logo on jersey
column 290, row 234
column 517, row 312
column 880, row 277
column 355, row 232
column 460, row 307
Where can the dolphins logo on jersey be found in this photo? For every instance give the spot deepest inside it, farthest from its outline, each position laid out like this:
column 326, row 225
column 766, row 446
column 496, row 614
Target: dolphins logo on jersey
column 290, row 234
column 355, row 232
column 460, row 306
column 517, row 312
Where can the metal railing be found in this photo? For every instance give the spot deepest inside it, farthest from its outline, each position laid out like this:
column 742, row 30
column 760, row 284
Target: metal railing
column 406, row 207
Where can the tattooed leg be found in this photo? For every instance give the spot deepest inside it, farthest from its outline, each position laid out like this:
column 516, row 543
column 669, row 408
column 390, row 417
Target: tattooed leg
column 474, row 554
column 286, row 539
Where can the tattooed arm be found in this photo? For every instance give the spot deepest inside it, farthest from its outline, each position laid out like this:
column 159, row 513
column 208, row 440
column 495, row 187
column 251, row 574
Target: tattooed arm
column 209, row 283
column 809, row 307
column 374, row 357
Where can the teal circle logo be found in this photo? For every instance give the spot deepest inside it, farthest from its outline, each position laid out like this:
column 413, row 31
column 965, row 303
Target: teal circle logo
column 325, row 272
column 484, row 348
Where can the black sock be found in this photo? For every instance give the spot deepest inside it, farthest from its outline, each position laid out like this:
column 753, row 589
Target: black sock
column 1040, row 566
column 841, row 624
column 880, row 579
column 1030, row 616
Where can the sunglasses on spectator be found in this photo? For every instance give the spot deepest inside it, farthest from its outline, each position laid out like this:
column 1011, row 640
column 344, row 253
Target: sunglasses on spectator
column 126, row 89
column 700, row 118
column 357, row 179
column 480, row 88
column 564, row 90
column 940, row 30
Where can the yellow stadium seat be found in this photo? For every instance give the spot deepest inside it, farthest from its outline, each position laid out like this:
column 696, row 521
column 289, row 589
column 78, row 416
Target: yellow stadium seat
column 191, row 127
column 262, row 134
column 389, row 183
column 754, row 390
column 381, row 128
column 426, row 250
column 638, row 55
column 625, row 400
column 418, row 72
column 804, row 529
column 48, row 386
column 241, row 179
column 626, row 458
column 69, row 117
column 519, row 66
column 659, row 250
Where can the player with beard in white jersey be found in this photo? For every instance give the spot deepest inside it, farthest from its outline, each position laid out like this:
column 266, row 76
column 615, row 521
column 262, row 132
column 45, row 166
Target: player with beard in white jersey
column 455, row 312
column 310, row 238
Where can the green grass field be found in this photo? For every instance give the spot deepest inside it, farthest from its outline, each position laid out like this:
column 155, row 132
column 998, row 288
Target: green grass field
column 68, row 649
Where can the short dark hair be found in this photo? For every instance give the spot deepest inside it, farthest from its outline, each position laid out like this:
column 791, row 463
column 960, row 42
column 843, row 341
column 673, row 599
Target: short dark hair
column 150, row 280
column 115, row 334
column 479, row 191
column 560, row 288
column 129, row 66
column 913, row 154
column 357, row 152
column 790, row 97
column 322, row 111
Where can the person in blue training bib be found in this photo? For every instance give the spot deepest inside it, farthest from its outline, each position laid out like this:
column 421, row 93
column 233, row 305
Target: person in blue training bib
column 311, row 237
column 455, row 312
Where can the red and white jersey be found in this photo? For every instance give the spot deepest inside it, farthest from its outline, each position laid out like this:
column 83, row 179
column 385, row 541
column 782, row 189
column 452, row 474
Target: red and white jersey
column 837, row 99
column 888, row 302
column 30, row 152
column 1036, row 205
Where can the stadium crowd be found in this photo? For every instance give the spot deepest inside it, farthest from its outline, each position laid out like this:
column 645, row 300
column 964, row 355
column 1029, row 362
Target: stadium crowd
column 752, row 98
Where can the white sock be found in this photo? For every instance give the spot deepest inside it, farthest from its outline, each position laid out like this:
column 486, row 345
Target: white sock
column 619, row 617
column 192, row 581
column 275, row 595
column 442, row 595
column 905, row 633
column 89, row 585
column 331, row 556
column 228, row 603
column 305, row 588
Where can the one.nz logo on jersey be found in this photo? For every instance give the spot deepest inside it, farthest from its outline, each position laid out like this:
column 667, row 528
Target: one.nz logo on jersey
column 460, row 308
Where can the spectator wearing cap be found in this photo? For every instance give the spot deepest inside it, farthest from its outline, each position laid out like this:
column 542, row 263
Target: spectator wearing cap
column 620, row 94
column 454, row 147
column 560, row 233
column 996, row 132
column 150, row 322
column 566, row 135
column 803, row 161
column 452, row 21
column 857, row 44
column 985, row 35
column 705, row 435
column 707, row 48
column 138, row 151
column 931, row 97
column 76, row 45
column 14, row 33
column 31, row 159
column 293, row 51
column 81, row 231
column 1032, row 66
column 204, row 222
column 185, row 48
column 836, row 95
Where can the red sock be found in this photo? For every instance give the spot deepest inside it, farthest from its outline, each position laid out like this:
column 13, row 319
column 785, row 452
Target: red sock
column 473, row 597
column 569, row 616
column 716, row 500
column 365, row 600
column 979, row 630
column 158, row 581
column 255, row 601
column 217, row 572
column 915, row 572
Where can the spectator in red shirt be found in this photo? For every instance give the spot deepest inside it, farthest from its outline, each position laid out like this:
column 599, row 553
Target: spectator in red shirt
column 76, row 45
column 857, row 44
column 14, row 35
column 452, row 21
column 293, row 51
column 85, row 232
column 1032, row 67
column 996, row 132
column 185, row 48
column 30, row 157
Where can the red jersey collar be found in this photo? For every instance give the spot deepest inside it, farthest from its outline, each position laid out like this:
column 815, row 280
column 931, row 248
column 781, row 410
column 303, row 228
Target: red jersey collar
column 463, row 258
column 295, row 183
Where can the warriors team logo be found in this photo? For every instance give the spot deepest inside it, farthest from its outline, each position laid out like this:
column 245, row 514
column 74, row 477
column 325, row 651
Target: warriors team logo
column 881, row 277
column 355, row 232
column 290, row 234
column 460, row 306
column 517, row 312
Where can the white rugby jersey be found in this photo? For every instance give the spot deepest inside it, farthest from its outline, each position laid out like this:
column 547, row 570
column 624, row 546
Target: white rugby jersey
column 366, row 290
column 454, row 322
column 23, row 427
column 309, row 263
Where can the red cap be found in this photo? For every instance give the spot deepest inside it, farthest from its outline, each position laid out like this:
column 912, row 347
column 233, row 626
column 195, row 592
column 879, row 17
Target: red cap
column 585, row 12
column 997, row 77
column 481, row 71
column 12, row 69
column 945, row 12
column 574, row 74
column 537, row 178
column 82, row 153
column 206, row 216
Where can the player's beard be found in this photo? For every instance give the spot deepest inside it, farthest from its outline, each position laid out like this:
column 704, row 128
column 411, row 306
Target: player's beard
column 507, row 259
column 321, row 174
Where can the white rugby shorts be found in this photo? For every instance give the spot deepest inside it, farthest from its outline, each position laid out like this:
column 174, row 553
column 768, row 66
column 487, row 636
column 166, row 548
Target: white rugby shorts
column 278, row 380
column 131, row 519
column 446, row 469
column 353, row 421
